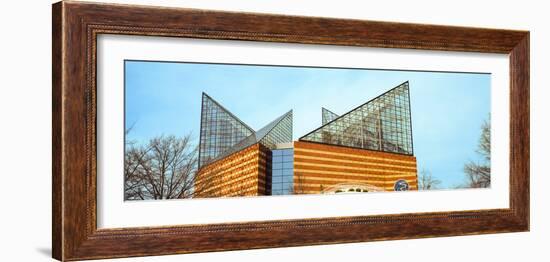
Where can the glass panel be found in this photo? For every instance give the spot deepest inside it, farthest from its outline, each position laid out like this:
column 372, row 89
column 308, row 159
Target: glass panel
column 288, row 165
column 287, row 179
column 278, row 186
column 277, row 153
column 277, row 132
column 284, row 175
column 278, row 172
column 277, row 179
column 327, row 115
column 220, row 130
column 380, row 124
column 287, row 188
column 289, row 158
column 288, row 172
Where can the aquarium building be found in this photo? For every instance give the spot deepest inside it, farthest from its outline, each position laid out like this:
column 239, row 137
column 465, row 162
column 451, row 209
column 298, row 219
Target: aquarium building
column 367, row 149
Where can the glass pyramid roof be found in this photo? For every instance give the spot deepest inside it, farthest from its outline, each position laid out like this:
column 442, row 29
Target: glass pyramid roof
column 222, row 133
column 383, row 124
column 327, row 115
column 220, row 130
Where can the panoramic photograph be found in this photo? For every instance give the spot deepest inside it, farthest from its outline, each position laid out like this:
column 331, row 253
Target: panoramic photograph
column 207, row 130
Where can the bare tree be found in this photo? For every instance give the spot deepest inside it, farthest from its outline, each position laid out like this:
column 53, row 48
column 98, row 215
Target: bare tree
column 426, row 181
column 134, row 173
column 164, row 168
column 478, row 175
column 206, row 181
column 298, row 185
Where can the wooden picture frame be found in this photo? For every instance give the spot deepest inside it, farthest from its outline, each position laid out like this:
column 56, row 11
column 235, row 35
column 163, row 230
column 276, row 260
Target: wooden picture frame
column 76, row 26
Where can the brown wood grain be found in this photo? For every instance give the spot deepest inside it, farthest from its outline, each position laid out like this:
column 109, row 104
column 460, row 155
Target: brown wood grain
column 57, row 192
column 76, row 26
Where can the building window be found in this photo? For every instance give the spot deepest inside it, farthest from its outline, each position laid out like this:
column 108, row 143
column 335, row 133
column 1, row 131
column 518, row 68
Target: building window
column 282, row 181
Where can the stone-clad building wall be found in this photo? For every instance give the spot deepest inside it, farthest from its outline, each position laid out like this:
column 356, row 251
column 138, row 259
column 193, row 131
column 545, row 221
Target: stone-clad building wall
column 319, row 166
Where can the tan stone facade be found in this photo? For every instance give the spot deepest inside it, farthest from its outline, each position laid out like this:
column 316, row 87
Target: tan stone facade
column 319, row 166
column 242, row 173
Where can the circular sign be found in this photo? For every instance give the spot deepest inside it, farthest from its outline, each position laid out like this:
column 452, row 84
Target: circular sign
column 401, row 185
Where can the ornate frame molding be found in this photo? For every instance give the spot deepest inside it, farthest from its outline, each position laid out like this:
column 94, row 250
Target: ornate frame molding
column 76, row 26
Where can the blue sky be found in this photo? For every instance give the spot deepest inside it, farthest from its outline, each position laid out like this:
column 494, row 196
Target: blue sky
column 447, row 108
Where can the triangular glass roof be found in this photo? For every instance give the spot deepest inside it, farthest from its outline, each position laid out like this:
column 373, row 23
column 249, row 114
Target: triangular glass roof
column 277, row 132
column 220, row 130
column 327, row 115
column 222, row 133
column 383, row 124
